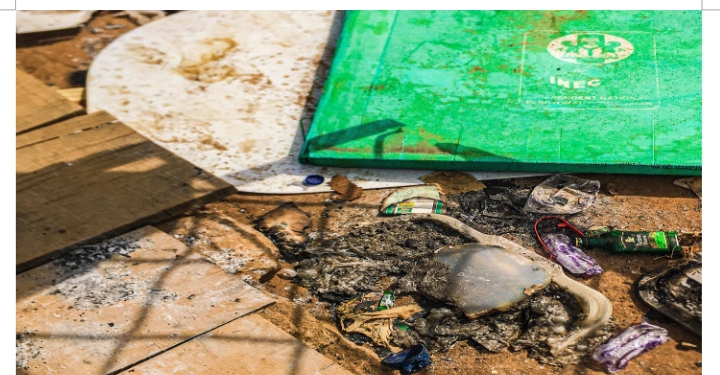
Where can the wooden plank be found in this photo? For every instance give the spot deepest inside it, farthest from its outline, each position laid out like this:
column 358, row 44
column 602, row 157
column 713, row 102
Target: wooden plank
column 75, row 315
column 246, row 346
column 60, row 129
column 74, row 94
column 99, row 183
column 38, row 105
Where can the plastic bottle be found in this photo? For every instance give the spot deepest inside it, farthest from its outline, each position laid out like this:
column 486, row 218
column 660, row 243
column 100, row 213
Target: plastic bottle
column 617, row 241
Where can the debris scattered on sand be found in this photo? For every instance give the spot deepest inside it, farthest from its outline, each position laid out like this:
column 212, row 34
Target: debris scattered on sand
column 347, row 190
column 399, row 255
column 692, row 183
column 285, row 225
column 562, row 194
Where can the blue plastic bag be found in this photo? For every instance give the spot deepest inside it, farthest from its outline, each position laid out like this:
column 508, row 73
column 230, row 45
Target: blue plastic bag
column 410, row 360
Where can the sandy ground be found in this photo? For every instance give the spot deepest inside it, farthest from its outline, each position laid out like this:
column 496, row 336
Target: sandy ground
column 641, row 203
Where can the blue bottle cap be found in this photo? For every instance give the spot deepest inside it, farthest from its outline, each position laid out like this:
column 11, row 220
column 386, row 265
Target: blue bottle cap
column 313, row 180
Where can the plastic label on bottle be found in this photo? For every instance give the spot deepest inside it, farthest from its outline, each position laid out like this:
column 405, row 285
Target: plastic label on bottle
column 658, row 240
column 387, row 301
column 416, row 206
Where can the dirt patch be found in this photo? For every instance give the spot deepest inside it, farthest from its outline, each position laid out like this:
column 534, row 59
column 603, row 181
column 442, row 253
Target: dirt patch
column 452, row 182
column 285, row 225
column 214, row 143
column 208, row 65
column 233, row 246
column 252, row 79
column 348, row 191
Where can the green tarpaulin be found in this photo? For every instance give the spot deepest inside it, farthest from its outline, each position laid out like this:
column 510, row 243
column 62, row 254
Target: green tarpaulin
column 532, row 91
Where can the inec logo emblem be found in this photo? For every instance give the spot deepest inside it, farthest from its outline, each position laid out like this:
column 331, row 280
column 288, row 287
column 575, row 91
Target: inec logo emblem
column 590, row 48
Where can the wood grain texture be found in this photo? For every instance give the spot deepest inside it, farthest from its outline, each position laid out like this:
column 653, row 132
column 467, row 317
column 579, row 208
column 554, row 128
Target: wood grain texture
column 38, row 105
column 75, row 124
column 123, row 309
column 98, row 183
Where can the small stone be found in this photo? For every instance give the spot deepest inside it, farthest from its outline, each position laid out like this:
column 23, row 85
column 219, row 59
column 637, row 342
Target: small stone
column 286, row 273
column 612, row 188
column 687, row 345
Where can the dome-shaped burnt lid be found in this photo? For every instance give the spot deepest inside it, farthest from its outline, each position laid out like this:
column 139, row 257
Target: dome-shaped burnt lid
column 482, row 279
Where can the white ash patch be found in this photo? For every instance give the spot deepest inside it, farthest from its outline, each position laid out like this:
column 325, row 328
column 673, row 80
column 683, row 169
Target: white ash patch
column 91, row 287
column 229, row 260
column 248, row 279
column 25, row 350
column 193, row 238
column 85, row 257
column 301, row 300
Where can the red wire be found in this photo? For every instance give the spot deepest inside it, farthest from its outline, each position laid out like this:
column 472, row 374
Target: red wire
column 563, row 224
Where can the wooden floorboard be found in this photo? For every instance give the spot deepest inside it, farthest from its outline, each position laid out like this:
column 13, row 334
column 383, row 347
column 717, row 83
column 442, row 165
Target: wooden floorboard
column 39, row 105
column 75, row 124
column 88, row 185
column 246, row 346
column 79, row 316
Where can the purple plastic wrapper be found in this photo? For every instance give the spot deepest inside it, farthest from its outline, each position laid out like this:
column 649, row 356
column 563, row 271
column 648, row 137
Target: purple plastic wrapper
column 633, row 341
column 570, row 257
